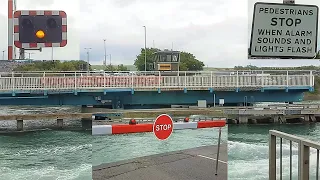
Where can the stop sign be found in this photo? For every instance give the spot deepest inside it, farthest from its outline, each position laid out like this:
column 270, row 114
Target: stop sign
column 163, row 126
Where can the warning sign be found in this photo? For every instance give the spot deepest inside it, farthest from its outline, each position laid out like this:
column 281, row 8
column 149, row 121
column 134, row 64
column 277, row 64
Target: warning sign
column 284, row 30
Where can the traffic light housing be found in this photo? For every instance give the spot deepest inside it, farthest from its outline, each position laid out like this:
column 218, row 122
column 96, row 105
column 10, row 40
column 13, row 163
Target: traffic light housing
column 39, row 29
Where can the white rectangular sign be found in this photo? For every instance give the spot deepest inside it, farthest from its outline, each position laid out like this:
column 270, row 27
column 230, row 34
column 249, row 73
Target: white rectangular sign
column 284, row 30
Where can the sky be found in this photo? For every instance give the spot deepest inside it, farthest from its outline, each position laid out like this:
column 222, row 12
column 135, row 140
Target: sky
column 215, row 31
column 70, row 52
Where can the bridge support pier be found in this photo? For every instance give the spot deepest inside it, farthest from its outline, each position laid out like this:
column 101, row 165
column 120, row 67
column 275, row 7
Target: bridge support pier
column 19, row 125
column 253, row 121
column 310, row 118
column 86, row 123
column 60, row 123
column 243, row 119
column 279, row 119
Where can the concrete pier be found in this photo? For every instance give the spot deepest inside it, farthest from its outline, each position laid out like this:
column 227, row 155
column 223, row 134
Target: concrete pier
column 19, row 125
column 243, row 119
column 60, row 123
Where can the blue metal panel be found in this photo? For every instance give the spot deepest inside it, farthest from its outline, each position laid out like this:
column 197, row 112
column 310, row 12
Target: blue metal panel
column 121, row 99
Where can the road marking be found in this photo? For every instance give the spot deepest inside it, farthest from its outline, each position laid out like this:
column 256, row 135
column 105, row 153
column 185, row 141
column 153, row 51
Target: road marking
column 212, row 159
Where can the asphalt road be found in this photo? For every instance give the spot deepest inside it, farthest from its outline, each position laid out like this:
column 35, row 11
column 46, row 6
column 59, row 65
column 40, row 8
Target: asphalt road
column 197, row 163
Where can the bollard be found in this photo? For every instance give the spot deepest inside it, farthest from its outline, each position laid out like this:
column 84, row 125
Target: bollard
column 60, row 123
column 217, row 162
column 19, row 125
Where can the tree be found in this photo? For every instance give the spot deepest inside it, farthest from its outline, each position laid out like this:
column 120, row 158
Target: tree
column 188, row 61
column 121, row 67
column 110, row 68
column 140, row 60
column 54, row 66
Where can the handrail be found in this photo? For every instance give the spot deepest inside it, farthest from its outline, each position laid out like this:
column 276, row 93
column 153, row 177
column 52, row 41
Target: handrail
column 76, row 80
column 262, row 71
column 304, row 147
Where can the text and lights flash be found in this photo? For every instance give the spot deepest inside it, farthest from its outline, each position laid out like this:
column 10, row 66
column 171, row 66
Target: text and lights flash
column 40, row 34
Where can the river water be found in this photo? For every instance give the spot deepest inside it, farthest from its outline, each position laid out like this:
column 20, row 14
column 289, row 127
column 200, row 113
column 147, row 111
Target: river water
column 69, row 155
column 44, row 155
column 248, row 150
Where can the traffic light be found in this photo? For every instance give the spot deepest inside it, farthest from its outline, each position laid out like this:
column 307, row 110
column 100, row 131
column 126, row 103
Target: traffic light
column 39, row 29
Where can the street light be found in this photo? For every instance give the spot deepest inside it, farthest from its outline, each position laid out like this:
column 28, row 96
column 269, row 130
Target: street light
column 88, row 49
column 105, row 53
column 145, row 49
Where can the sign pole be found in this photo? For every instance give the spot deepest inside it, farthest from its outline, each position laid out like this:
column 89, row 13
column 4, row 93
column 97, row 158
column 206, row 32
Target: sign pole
column 217, row 162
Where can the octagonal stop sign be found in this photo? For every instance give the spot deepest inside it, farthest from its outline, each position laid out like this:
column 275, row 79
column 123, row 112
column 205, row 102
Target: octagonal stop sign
column 163, row 126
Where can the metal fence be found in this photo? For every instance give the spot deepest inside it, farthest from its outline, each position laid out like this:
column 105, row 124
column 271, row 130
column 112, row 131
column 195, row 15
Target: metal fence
column 99, row 80
column 304, row 148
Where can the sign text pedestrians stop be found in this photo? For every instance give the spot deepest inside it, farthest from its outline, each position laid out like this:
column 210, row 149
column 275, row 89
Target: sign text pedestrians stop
column 284, row 30
column 163, row 126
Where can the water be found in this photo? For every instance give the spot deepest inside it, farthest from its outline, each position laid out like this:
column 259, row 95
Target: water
column 107, row 149
column 248, row 150
column 44, row 155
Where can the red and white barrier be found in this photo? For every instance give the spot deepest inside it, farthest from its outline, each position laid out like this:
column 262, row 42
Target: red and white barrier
column 139, row 128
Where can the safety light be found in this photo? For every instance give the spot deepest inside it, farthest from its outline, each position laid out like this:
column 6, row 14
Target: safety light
column 40, row 29
column 40, row 34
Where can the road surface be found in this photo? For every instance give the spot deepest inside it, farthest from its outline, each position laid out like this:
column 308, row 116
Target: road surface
column 197, row 163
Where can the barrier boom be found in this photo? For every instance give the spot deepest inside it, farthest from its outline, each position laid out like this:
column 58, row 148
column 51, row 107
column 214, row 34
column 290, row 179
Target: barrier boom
column 140, row 128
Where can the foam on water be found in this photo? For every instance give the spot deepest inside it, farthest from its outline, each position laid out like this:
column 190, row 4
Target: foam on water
column 248, row 157
column 83, row 171
column 46, row 155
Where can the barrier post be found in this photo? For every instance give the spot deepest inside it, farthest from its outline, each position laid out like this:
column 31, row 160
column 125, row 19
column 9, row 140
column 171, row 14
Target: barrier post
column 217, row 162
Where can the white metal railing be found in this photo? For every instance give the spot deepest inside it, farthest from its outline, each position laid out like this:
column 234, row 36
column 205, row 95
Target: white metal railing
column 304, row 148
column 103, row 80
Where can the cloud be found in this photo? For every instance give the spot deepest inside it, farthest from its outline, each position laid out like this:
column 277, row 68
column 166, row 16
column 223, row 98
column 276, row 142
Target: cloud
column 71, row 7
column 209, row 29
column 215, row 31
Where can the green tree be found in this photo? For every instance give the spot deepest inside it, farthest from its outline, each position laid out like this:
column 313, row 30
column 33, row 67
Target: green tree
column 110, row 68
column 121, row 67
column 54, row 66
column 188, row 61
column 140, row 60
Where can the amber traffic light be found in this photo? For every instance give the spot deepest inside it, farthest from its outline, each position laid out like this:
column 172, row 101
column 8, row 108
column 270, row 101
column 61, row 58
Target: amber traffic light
column 40, row 34
column 40, row 28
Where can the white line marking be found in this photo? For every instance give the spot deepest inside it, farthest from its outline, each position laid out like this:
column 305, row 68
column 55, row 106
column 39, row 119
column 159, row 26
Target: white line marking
column 212, row 159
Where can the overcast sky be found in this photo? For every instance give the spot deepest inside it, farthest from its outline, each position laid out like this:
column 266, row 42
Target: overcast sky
column 215, row 31
column 71, row 7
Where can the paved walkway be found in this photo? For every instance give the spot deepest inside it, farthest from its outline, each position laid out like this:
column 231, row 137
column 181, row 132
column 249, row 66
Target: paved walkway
column 197, row 163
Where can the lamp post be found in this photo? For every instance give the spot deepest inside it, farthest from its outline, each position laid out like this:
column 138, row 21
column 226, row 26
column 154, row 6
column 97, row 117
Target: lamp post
column 105, row 53
column 145, row 49
column 88, row 62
